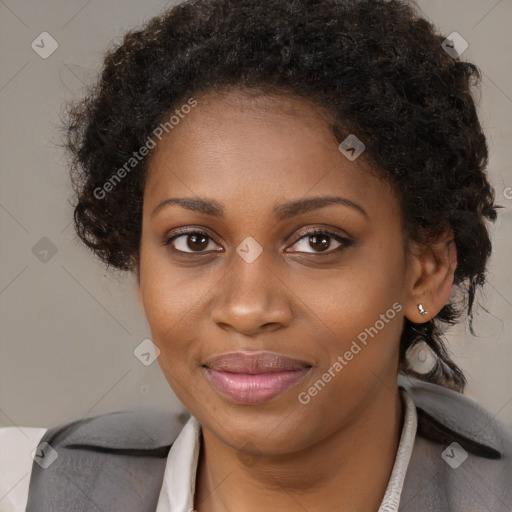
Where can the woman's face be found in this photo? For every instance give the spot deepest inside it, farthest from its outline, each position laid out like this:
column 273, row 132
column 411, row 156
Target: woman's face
column 260, row 281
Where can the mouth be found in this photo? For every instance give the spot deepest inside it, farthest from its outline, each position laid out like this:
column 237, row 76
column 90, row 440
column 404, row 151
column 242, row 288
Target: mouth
column 249, row 377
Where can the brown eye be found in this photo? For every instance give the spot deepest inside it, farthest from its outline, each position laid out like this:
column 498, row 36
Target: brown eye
column 321, row 241
column 190, row 242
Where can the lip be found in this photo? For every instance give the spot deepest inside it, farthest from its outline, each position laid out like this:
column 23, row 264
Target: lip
column 254, row 362
column 250, row 377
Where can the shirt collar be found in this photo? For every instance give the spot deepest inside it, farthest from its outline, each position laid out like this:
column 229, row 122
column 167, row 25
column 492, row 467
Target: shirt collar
column 393, row 492
column 179, row 482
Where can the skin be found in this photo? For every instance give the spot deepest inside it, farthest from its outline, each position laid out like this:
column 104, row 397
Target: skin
column 250, row 152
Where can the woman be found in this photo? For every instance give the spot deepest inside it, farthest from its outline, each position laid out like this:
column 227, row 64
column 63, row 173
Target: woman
column 299, row 189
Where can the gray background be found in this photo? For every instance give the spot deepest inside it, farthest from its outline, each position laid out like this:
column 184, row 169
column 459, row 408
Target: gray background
column 68, row 328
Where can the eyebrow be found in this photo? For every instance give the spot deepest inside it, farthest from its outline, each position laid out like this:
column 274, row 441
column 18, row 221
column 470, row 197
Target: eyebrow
column 282, row 211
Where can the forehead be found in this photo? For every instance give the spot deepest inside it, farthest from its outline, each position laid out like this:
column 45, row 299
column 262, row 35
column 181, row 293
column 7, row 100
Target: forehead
column 252, row 146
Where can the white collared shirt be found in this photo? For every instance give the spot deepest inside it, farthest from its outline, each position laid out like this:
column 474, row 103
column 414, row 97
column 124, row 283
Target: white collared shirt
column 179, row 481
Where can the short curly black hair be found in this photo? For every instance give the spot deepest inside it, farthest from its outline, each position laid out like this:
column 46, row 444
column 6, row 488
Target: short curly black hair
column 377, row 66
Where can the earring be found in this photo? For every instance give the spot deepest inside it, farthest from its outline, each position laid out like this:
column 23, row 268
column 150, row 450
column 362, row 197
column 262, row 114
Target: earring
column 422, row 310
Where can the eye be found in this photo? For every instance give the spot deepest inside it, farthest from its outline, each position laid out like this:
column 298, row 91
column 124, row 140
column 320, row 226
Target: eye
column 196, row 241
column 322, row 240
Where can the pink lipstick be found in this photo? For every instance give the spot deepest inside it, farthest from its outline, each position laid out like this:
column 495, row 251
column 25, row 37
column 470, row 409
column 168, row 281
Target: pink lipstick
column 250, row 377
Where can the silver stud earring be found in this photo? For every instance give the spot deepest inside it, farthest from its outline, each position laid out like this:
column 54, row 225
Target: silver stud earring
column 422, row 310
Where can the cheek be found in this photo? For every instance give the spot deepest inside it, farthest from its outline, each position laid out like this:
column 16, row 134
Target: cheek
column 173, row 328
column 167, row 291
column 169, row 302
column 353, row 297
column 357, row 344
column 359, row 312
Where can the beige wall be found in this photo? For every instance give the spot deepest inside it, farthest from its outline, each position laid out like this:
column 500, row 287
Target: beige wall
column 68, row 329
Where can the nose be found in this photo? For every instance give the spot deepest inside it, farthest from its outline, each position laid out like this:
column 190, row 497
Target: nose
column 251, row 298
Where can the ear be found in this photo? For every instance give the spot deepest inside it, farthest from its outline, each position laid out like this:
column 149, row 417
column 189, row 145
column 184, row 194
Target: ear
column 431, row 273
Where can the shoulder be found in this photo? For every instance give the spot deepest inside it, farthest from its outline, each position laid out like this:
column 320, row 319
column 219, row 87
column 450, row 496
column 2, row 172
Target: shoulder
column 140, row 428
column 462, row 456
column 115, row 460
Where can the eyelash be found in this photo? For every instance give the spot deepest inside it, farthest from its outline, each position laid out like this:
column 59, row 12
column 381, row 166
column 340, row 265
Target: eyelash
column 345, row 242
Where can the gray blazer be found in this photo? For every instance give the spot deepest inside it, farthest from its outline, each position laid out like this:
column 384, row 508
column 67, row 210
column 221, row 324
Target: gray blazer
column 116, row 461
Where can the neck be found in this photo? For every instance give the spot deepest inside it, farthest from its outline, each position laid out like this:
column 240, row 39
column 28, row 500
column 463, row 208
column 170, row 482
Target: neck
column 347, row 471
